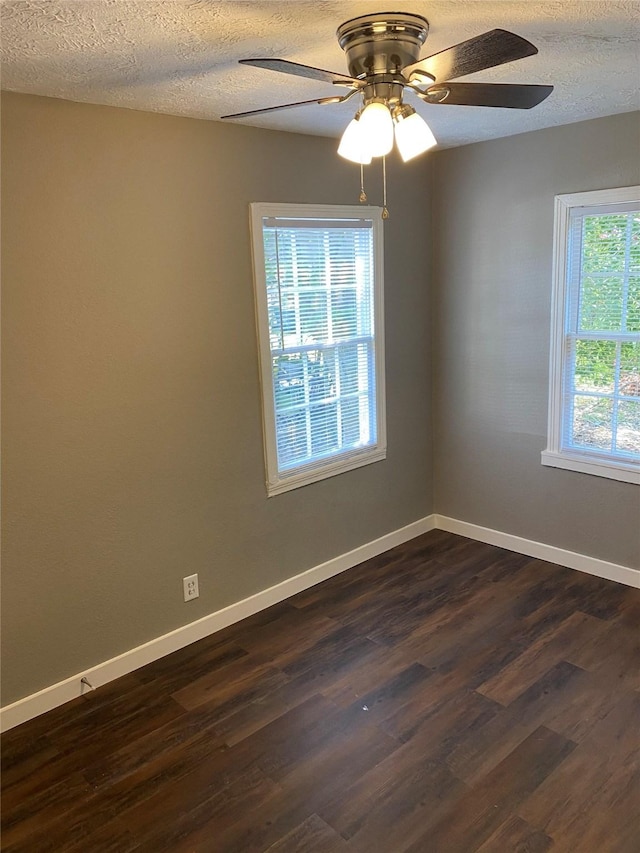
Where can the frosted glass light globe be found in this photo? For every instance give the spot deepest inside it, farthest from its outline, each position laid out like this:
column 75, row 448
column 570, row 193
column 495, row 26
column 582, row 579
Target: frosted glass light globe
column 354, row 144
column 413, row 136
column 377, row 126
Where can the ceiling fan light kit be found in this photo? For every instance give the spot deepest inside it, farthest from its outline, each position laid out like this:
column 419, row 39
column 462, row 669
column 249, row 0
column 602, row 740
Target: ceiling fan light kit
column 371, row 133
column 382, row 52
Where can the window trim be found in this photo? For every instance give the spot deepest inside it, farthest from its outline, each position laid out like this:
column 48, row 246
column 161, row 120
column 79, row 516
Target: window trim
column 312, row 472
column 591, row 462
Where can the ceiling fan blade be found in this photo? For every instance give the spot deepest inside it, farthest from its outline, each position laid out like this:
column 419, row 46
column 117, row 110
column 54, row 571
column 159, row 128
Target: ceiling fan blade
column 286, row 67
column 484, row 51
column 509, row 95
column 334, row 99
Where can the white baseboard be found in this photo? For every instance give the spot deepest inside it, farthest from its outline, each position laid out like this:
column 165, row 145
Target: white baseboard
column 570, row 559
column 57, row 694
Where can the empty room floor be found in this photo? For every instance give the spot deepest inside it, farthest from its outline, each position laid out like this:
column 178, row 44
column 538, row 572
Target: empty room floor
column 444, row 697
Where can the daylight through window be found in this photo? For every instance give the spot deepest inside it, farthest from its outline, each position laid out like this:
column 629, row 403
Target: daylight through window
column 319, row 299
column 595, row 406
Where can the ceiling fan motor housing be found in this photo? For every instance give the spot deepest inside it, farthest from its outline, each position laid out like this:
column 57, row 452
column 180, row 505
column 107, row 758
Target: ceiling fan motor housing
column 382, row 43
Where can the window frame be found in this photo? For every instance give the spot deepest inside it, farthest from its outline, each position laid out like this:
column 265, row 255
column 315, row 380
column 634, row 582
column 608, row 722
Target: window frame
column 555, row 455
column 278, row 482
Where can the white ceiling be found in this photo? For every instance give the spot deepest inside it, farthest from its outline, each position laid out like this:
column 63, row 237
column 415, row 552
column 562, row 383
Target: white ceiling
column 180, row 57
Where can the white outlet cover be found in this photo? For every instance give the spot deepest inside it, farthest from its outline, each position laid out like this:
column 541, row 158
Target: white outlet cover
column 190, row 587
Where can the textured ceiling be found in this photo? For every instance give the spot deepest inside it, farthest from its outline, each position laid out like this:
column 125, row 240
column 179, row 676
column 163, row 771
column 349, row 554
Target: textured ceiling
column 180, row 57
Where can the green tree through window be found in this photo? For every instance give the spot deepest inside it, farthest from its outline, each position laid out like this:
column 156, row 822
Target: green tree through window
column 594, row 412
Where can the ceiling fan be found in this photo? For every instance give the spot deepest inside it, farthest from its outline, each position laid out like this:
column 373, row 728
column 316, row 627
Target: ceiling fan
column 383, row 60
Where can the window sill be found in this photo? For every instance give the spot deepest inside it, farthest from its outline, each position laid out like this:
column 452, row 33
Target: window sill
column 303, row 477
column 626, row 472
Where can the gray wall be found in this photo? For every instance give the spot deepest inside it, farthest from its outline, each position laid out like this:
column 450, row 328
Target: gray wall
column 132, row 445
column 493, row 226
column 132, row 435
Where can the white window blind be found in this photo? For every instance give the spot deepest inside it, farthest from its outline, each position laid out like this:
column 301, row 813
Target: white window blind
column 318, row 289
column 597, row 414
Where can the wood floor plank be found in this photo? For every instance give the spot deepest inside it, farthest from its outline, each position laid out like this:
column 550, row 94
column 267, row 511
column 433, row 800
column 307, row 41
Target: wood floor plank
column 595, row 596
column 444, row 697
column 480, row 751
column 336, row 650
column 251, row 717
column 494, row 635
column 476, row 815
column 293, row 631
column 170, row 677
column 196, row 811
column 589, row 701
column 392, row 693
column 311, row 836
column 88, row 736
column 394, row 803
column 466, row 668
column 126, row 717
column 316, row 753
column 82, row 817
column 111, row 837
column 23, row 817
column 162, row 741
column 23, row 758
column 549, row 649
column 628, row 615
column 516, row 834
column 230, row 688
column 440, row 715
column 422, row 603
column 342, row 682
column 21, row 737
column 303, row 735
column 614, row 654
column 354, row 746
column 354, row 682
column 57, row 830
column 249, row 832
column 592, row 801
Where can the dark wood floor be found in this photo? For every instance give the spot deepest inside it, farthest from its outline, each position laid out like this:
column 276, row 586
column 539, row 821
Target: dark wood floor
column 445, row 697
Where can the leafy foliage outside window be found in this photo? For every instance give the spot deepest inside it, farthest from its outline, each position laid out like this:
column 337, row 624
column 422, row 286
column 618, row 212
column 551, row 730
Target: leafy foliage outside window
column 605, row 346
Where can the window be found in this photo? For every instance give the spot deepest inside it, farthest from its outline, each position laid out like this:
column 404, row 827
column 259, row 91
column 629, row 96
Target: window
column 594, row 405
column 319, row 298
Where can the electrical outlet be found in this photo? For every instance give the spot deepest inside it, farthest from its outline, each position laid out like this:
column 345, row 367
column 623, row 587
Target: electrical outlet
column 190, row 587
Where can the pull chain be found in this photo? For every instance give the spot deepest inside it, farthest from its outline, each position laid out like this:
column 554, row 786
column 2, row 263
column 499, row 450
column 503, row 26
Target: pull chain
column 363, row 195
column 385, row 211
